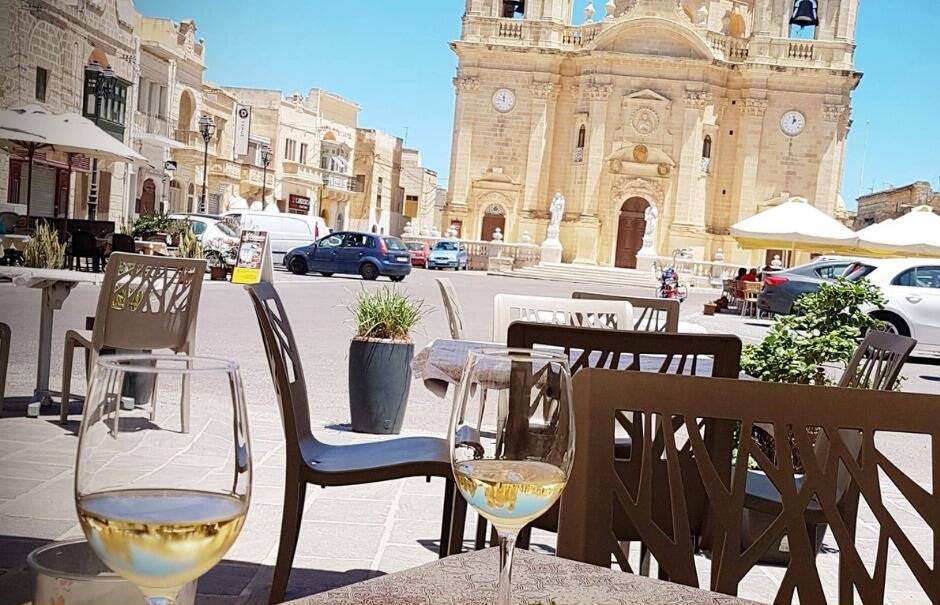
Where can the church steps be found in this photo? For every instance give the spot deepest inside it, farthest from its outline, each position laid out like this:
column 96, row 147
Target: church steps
column 586, row 274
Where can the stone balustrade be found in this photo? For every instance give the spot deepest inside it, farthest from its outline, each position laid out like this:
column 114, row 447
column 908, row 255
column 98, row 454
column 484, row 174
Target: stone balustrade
column 701, row 272
column 486, row 255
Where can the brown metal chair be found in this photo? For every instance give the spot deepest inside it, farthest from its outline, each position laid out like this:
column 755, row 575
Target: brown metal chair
column 690, row 354
column 310, row 461
column 655, row 314
column 5, row 337
column 587, row 529
column 83, row 246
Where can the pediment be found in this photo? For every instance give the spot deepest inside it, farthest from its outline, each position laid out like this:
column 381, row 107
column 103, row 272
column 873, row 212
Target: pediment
column 646, row 95
column 654, row 36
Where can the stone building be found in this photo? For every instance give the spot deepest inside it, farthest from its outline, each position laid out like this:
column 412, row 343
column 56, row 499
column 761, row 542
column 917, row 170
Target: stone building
column 420, row 190
column 665, row 119
column 46, row 47
column 377, row 206
column 895, row 202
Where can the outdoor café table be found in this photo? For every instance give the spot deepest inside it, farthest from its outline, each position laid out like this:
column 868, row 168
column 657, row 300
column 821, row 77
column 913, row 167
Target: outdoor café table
column 151, row 248
column 536, row 578
column 56, row 284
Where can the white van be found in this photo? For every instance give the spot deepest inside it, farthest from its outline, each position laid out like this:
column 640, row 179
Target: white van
column 286, row 231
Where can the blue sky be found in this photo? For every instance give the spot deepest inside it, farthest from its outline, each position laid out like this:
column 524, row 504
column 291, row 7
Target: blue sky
column 392, row 58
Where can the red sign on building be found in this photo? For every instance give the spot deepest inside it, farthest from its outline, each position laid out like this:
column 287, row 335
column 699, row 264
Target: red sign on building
column 297, row 204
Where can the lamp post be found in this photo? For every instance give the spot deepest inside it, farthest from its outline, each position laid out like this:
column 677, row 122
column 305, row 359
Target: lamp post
column 206, row 129
column 265, row 161
column 101, row 89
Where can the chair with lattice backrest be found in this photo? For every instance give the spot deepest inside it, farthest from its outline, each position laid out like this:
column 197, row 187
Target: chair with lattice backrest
column 655, row 314
column 145, row 303
column 310, row 461
column 604, row 314
column 451, row 307
column 603, row 398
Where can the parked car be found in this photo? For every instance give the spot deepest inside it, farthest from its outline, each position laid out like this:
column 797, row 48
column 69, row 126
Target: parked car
column 912, row 289
column 783, row 288
column 366, row 254
column 449, row 254
column 420, row 251
column 286, row 231
column 198, row 223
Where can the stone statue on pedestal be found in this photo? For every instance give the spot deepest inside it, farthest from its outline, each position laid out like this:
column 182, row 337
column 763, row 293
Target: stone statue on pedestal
column 551, row 247
column 649, row 235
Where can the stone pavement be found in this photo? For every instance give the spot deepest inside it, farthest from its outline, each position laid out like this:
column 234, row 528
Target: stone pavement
column 348, row 534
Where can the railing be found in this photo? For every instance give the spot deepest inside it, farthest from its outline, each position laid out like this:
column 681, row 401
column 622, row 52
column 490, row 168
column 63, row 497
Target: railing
column 337, row 180
column 190, row 138
column 509, row 28
column 706, row 167
column 225, row 168
column 305, row 172
column 803, row 51
column 254, row 175
column 712, row 272
column 733, row 49
column 482, row 254
column 151, row 124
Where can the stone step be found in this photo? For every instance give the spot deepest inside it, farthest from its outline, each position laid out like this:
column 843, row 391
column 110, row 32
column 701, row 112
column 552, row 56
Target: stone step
column 586, row 274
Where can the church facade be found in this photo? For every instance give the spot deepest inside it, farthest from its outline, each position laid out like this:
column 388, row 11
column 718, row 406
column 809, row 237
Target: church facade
column 662, row 124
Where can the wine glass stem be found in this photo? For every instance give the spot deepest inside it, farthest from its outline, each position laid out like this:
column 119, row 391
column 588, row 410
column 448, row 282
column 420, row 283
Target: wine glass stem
column 507, row 545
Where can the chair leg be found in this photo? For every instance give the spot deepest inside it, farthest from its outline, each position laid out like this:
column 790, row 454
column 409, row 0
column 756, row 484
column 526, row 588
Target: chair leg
column 67, row 358
column 524, row 538
column 447, row 515
column 184, row 398
column 458, row 520
column 479, row 542
column 4, row 360
column 295, row 492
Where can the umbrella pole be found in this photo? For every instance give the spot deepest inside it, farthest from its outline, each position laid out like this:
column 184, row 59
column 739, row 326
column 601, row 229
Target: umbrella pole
column 30, row 152
column 68, row 199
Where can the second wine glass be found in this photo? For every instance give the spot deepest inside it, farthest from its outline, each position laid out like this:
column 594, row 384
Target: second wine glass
column 512, row 440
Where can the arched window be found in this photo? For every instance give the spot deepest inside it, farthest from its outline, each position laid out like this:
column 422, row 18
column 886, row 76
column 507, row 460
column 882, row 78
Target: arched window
column 579, row 148
column 191, row 198
column 804, row 20
column 707, row 147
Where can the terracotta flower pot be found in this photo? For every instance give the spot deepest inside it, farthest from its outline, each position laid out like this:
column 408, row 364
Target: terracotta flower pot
column 710, row 308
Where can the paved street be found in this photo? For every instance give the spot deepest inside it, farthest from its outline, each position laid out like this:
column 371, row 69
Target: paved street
column 348, row 534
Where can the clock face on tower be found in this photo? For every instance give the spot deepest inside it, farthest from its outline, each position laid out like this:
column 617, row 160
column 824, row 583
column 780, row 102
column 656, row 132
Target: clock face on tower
column 504, row 100
column 792, row 123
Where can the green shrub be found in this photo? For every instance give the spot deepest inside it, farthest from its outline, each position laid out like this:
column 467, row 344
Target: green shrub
column 386, row 314
column 151, row 224
column 44, row 251
column 189, row 246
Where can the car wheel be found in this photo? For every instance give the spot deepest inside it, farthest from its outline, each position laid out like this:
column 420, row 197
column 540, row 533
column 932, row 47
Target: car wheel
column 326, row 274
column 892, row 323
column 298, row 266
column 397, row 278
column 368, row 271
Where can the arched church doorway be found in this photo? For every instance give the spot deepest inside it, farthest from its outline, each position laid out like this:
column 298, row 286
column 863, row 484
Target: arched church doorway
column 494, row 218
column 630, row 231
column 147, row 203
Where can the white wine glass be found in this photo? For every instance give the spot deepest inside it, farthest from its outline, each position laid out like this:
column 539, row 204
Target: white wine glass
column 512, row 440
column 161, row 505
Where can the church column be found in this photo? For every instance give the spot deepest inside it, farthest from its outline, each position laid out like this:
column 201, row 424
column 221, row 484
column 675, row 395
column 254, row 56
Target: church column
column 543, row 114
column 588, row 223
column 687, row 228
column 461, row 153
column 830, row 164
column 743, row 201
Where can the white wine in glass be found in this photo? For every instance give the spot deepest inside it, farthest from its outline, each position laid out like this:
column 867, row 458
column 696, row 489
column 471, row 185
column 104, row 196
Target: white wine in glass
column 512, row 440
column 168, row 519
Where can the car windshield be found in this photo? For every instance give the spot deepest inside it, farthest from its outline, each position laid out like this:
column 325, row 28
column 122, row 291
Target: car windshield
column 451, row 246
column 393, row 243
column 415, row 246
column 857, row 271
column 230, row 226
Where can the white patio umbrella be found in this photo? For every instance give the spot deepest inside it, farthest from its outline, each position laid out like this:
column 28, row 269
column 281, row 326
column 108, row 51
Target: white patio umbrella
column 237, row 202
column 794, row 224
column 67, row 132
column 916, row 233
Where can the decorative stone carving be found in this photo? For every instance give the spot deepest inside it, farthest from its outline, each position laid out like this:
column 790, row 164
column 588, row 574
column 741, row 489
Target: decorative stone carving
column 698, row 99
column 644, row 121
column 466, row 83
column 649, row 235
column 756, row 107
column 626, row 187
column 641, row 153
column 610, row 8
column 589, row 12
column 598, row 92
column 551, row 247
column 834, row 113
column 543, row 90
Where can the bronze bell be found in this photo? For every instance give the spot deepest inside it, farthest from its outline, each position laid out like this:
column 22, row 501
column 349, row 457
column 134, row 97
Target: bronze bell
column 805, row 14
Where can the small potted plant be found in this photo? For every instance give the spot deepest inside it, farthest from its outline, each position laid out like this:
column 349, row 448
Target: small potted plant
column 219, row 254
column 380, row 359
column 44, row 250
column 189, row 246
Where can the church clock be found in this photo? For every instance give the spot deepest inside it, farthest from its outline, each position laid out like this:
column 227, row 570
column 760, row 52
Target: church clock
column 504, row 100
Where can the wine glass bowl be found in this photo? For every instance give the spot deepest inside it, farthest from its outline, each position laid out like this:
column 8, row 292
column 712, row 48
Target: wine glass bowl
column 159, row 505
column 512, row 440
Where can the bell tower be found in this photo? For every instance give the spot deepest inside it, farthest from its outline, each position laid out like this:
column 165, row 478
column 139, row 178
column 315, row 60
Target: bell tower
column 530, row 10
column 832, row 20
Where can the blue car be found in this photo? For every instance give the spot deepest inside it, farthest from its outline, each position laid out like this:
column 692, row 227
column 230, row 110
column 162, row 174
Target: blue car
column 366, row 254
column 448, row 254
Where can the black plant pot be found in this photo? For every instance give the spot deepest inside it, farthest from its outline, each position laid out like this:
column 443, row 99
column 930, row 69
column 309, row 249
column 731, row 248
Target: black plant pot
column 379, row 382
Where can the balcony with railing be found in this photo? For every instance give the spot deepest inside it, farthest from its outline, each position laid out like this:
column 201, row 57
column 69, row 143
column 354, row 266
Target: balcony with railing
column 302, row 173
column 189, row 138
column 254, row 175
column 152, row 124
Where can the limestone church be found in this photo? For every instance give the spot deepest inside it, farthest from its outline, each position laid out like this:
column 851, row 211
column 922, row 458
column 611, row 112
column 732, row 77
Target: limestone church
column 693, row 114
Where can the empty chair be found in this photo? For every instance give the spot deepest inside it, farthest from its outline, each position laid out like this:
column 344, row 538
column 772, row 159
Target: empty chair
column 8, row 222
column 310, row 461
column 145, row 303
column 122, row 243
column 655, row 314
column 5, row 336
column 606, row 314
column 451, row 307
column 589, row 516
column 84, row 247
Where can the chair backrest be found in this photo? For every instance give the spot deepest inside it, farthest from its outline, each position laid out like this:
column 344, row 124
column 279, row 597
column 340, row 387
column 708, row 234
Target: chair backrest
column 655, row 314
column 84, row 243
column 121, row 242
column 8, row 221
column 451, row 307
column 603, row 397
column 148, row 302
column 608, row 314
column 284, row 365
column 878, row 361
column 752, row 288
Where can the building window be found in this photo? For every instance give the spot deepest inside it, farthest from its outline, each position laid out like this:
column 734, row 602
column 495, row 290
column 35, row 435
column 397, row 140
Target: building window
column 513, row 9
column 579, row 148
column 42, row 78
column 804, row 19
column 290, row 150
column 303, row 153
column 707, row 154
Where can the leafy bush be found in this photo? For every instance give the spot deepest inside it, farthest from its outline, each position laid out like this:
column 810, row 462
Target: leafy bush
column 44, row 250
column 150, row 224
column 823, row 330
column 386, row 314
column 189, row 246
column 220, row 251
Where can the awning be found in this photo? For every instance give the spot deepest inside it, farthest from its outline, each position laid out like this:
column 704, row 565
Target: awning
column 795, row 225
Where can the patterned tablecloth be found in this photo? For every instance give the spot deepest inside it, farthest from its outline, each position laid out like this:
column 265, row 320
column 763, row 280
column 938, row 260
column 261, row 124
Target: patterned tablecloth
column 471, row 578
